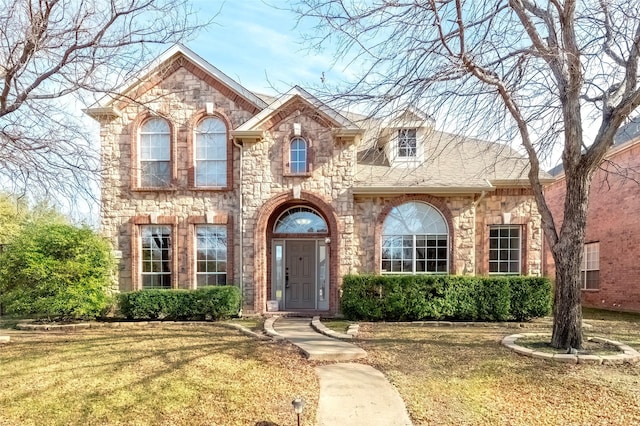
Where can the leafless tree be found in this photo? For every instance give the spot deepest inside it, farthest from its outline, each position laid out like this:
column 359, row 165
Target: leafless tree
column 57, row 56
column 532, row 71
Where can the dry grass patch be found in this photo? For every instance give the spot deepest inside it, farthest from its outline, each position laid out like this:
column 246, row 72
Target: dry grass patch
column 161, row 375
column 464, row 376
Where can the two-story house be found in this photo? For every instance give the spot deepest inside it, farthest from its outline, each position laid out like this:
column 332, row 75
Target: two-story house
column 207, row 183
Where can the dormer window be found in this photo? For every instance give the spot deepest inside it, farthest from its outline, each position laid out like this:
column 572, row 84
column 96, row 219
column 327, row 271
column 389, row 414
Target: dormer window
column 407, row 143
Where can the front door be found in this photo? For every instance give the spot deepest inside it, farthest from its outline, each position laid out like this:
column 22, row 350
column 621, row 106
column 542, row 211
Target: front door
column 300, row 274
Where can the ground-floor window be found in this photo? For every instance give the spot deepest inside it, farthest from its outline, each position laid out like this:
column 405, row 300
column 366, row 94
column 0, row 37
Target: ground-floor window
column 590, row 270
column 211, row 255
column 156, row 256
column 414, row 240
column 505, row 249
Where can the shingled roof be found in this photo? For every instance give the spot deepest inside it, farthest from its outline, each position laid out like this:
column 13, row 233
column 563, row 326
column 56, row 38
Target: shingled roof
column 451, row 164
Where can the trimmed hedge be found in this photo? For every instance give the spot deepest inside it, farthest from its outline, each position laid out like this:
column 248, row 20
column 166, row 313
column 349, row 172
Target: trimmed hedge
column 436, row 297
column 208, row 302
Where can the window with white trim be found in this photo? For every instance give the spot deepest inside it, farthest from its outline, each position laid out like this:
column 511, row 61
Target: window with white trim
column 415, row 239
column 211, row 153
column 155, row 153
column 298, row 151
column 211, row 255
column 156, row 256
column 590, row 270
column 505, row 249
column 407, row 143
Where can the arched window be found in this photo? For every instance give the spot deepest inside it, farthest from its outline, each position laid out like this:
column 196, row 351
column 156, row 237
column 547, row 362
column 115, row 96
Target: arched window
column 155, row 153
column 415, row 240
column 300, row 220
column 298, row 156
column 211, row 153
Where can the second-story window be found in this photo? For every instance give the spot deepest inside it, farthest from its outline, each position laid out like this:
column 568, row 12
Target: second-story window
column 211, row 153
column 155, row 153
column 298, row 156
column 407, row 143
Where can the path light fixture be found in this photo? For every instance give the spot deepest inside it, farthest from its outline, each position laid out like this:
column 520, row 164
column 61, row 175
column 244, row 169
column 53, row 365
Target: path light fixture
column 298, row 406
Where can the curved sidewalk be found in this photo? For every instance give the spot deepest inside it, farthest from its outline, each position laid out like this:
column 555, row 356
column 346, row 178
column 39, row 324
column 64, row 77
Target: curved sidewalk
column 316, row 346
column 350, row 394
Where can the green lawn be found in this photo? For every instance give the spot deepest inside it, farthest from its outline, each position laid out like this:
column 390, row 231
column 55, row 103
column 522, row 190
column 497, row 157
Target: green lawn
column 463, row 376
column 160, row 375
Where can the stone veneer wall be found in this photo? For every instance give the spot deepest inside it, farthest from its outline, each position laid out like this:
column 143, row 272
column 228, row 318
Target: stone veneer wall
column 520, row 203
column 265, row 177
column 469, row 218
column 179, row 97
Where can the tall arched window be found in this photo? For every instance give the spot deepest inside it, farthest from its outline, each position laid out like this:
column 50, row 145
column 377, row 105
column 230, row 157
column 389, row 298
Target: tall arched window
column 211, row 153
column 155, row 153
column 298, row 156
column 415, row 239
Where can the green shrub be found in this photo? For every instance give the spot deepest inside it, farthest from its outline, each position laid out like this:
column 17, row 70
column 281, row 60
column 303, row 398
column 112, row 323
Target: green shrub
column 435, row 297
column 208, row 302
column 56, row 271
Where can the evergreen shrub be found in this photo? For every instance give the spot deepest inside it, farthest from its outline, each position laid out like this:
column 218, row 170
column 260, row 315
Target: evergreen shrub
column 209, row 302
column 437, row 297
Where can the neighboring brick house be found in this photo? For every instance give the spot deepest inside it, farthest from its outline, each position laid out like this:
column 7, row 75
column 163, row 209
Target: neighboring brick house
column 610, row 270
column 206, row 183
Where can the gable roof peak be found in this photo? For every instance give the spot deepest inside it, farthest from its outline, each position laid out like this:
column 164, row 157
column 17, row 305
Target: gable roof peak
column 297, row 92
column 173, row 51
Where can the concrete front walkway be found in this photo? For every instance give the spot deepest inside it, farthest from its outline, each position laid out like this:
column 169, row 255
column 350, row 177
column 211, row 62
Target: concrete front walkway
column 316, row 346
column 350, row 394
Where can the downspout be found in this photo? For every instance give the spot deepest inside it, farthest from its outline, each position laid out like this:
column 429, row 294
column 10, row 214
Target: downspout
column 475, row 206
column 240, row 229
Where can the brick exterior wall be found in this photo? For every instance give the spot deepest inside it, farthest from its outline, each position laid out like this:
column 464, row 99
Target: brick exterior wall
column 180, row 92
column 613, row 221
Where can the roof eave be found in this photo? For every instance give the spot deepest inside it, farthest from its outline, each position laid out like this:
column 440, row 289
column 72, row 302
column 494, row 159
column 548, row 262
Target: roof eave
column 441, row 190
column 109, row 112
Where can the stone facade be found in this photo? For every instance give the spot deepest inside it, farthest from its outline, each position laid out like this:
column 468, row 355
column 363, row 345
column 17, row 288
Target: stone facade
column 260, row 186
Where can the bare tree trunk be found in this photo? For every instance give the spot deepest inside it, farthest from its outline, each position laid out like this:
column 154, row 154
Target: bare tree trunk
column 567, row 254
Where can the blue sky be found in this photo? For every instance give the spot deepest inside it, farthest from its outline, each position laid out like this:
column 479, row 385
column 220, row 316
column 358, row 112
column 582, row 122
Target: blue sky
column 258, row 45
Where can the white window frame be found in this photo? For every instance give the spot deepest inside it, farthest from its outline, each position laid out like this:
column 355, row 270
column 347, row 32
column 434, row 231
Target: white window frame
column 295, row 169
column 210, row 157
column 211, row 256
column 590, row 263
column 419, row 221
column 407, row 147
column 149, row 263
column 507, row 248
column 152, row 153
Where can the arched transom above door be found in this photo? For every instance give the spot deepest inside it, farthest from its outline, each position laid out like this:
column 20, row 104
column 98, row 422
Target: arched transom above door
column 300, row 220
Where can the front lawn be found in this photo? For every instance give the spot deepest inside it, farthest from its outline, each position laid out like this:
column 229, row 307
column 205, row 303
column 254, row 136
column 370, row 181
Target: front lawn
column 463, row 376
column 155, row 374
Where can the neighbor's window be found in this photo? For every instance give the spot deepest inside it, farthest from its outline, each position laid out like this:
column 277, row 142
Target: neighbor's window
column 298, row 156
column 211, row 153
column 505, row 250
column 211, row 257
column 590, row 270
column 156, row 256
column 415, row 240
column 155, row 153
column 407, row 143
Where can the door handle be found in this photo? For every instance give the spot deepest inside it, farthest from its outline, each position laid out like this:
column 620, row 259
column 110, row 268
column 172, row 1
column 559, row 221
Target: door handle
column 286, row 280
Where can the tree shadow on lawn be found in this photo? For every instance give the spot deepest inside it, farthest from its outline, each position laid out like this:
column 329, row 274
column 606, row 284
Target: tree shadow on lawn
column 169, row 352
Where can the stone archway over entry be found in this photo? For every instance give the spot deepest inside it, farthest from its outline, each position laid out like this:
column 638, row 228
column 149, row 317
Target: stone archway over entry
column 296, row 246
